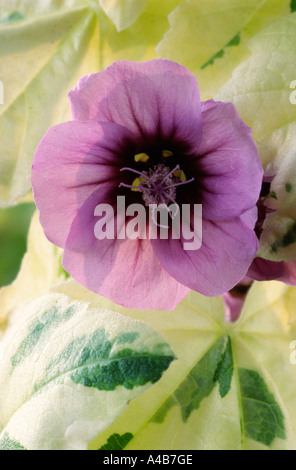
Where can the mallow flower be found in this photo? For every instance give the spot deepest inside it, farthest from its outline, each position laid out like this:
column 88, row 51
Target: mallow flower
column 140, row 131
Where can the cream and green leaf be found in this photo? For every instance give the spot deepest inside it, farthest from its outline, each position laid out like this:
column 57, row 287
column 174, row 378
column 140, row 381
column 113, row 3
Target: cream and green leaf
column 69, row 369
column 210, row 37
column 44, row 51
column 40, row 270
column 261, row 91
column 278, row 239
column 41, row 60
column 232, row 387
column 123, row 14
column 117, row 442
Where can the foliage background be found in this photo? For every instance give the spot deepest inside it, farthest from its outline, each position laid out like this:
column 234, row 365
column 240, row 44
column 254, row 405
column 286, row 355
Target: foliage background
column 14, row 224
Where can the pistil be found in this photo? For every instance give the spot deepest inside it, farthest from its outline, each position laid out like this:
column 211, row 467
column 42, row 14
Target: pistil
column 158, row 186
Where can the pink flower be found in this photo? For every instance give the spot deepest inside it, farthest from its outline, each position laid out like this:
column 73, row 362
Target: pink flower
column 265, row 270
column 140, row 130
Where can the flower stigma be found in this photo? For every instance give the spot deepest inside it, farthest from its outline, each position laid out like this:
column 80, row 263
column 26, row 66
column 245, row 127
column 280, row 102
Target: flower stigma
column 158, row 185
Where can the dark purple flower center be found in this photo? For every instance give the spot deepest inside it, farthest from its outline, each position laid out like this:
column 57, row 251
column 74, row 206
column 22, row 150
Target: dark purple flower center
column 159, row 183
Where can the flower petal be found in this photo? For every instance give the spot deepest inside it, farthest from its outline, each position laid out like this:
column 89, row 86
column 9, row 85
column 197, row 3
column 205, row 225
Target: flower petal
column 233, row 306
column 125, row 271
column 231, row 169
column 290, row 273
column 71, row 162
column 264, row 270
column 227, row 251
column 156, row 100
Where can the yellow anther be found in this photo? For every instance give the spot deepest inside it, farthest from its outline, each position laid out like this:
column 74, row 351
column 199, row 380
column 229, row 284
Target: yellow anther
column 167, row 153
column 141, row 157
column 137, row 183
column 181, row 175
